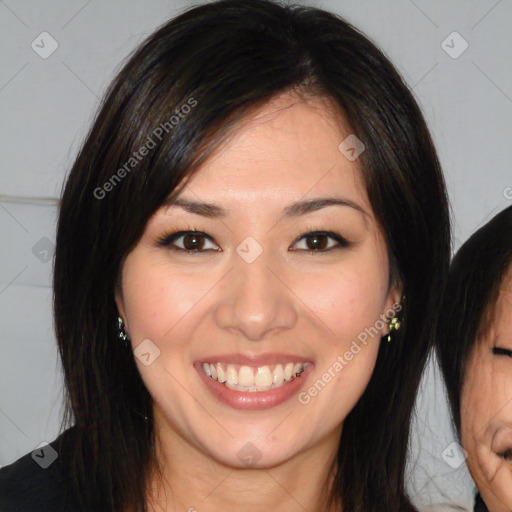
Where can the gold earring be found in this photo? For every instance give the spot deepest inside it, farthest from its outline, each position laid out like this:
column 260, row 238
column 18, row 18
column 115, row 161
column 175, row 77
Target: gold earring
column 394, row 325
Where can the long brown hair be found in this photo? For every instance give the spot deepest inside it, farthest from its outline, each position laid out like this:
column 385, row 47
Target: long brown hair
column 231, row 56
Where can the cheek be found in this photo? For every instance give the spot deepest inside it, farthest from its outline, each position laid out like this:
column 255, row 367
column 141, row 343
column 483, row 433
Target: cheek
column 349, row 299
column 485, row 394
column 475, row 400
column 350, row 303
column 485, row 409
column 156, row 298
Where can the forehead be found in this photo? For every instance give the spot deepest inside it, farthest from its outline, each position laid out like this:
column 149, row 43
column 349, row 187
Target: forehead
column 504, row 302
column 284, row 150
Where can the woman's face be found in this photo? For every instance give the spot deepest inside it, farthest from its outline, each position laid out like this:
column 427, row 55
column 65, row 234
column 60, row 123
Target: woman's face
column 486, row 407
column 253, row 299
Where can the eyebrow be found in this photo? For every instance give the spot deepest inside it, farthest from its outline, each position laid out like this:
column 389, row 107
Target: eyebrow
column 296, row 209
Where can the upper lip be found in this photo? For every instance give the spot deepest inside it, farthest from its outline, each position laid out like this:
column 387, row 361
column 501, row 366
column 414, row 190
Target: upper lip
column 255, row 359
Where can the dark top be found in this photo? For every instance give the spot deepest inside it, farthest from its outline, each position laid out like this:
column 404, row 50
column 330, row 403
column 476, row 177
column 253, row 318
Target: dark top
column 36, row 483
column 479, row 504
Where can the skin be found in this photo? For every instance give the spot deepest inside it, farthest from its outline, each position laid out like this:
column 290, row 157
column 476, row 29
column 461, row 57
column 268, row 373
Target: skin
column 287, row 300
column 486, row 408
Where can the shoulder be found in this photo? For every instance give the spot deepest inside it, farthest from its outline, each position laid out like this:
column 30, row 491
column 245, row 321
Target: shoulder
column 36, row 481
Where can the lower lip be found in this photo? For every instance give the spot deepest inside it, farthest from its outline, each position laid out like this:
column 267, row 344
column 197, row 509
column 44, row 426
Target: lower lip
column 254, row 400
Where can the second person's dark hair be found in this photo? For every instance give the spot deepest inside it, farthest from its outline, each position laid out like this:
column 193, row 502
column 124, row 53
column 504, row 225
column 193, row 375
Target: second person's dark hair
column 467, row 309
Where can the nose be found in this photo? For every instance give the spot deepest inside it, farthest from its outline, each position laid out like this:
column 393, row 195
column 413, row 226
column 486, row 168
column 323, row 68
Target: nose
column 256, row 300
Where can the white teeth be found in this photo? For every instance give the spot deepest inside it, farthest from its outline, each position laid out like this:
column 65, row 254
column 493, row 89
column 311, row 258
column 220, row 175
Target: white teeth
column 221, row 376
column 263, row 377
column 288, row 371
column 278, row 374
column 248, row 388
column 298, row 369
column 231, row 376
column 246, row 378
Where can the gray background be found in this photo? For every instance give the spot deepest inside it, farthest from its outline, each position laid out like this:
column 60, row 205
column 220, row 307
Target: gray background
column 47, row 104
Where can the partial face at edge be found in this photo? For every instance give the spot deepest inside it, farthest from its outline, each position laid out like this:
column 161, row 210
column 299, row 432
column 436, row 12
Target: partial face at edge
column 194, row 307
column 486, row 407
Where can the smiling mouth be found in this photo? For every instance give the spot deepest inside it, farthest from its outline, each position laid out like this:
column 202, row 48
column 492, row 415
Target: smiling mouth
column 250, row 379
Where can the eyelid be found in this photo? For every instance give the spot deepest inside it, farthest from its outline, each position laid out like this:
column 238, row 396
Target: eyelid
column 500, row 351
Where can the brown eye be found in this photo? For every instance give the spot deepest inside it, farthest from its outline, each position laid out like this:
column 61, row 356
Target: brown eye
column 321, row 241
column 191, row 241
column 316, row 242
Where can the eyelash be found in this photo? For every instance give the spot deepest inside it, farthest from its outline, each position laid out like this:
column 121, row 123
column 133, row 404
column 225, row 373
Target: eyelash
column 168, row 239
column 506, row 455
column 498, row 351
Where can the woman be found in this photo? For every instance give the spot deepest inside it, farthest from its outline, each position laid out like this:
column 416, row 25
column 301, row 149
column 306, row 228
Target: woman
column 258, row 194
column 475, row 352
